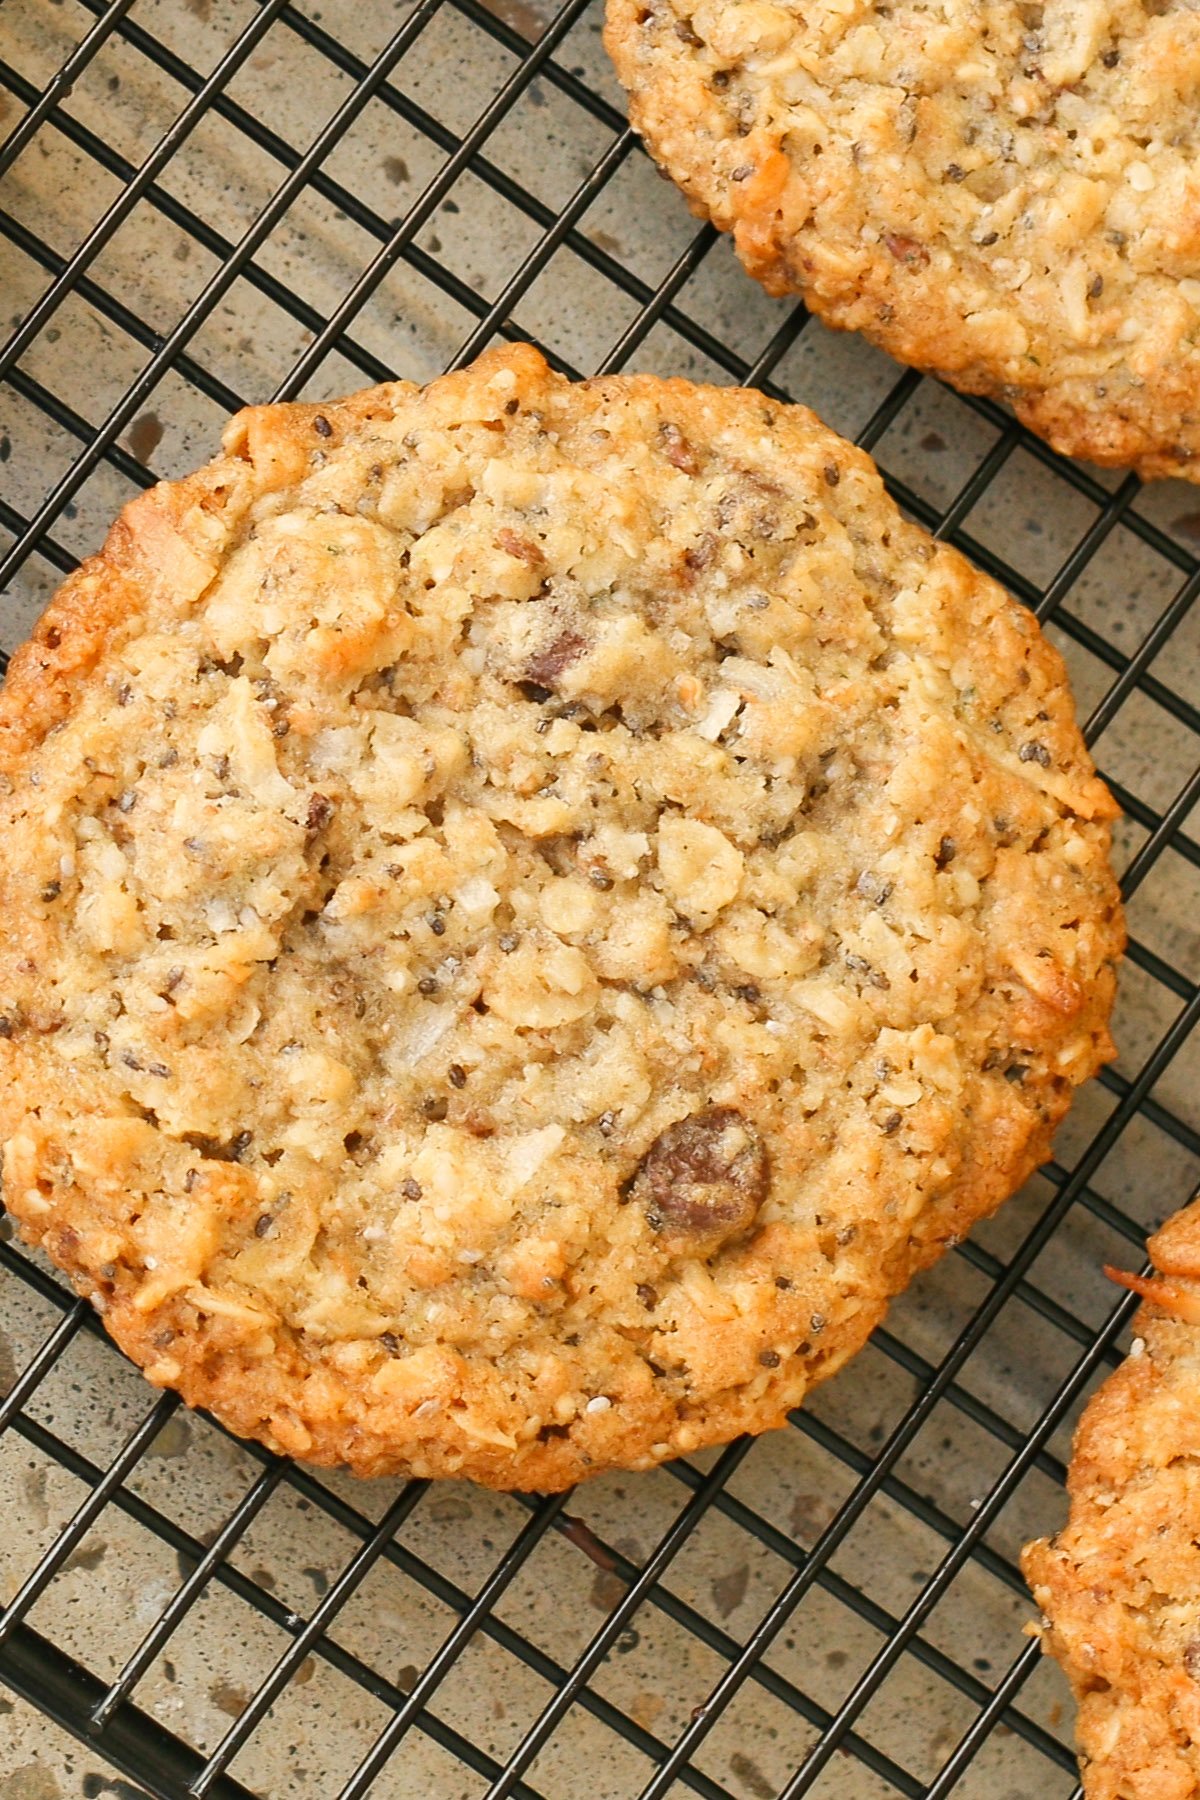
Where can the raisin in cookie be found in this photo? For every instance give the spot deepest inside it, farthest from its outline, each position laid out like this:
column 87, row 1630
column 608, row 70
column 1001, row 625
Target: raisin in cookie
column 530, row 911
column 1008, row 194
column 1119, row 1586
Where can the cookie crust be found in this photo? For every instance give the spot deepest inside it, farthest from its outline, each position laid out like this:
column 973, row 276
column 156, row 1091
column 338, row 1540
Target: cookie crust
column 1006, row 195
column 532, row 910
column 1119, row 1586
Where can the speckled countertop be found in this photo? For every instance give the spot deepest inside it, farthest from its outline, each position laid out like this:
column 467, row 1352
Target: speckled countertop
column 121, row 1575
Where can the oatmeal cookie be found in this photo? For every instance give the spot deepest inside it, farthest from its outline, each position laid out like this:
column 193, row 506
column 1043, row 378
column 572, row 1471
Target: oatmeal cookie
column 1007, row 194
column 1119, row 1587
column 530, row 911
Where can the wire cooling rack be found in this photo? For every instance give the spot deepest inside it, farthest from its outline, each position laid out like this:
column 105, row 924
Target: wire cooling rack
column 216, row 201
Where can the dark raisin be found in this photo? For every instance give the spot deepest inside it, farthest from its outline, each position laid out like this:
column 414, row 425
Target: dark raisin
column 435, row 1107
column 52, row 890
column 906, row 250
column 1110, row 59
column 130, row 1060
column 782, row 1281
column 456, row 1075
column 546, row 665
column 993, row 237
column 410, row 1188
column 1035, row 752
column 701, row 553
column 1095, row 287
column 390, row 1342
column 523, row 548
column 704, row 1177
column 427, row 985
column 955, row 173
column 891, row 1124
column 832, row 474
column 263, row 1224
column 322, row 427
column 647, row 1295
column 320, row 811
column 511, row 407
column 769, row 1359
column 946, row 852
column 7, row 1027
column 677, row 450
column 436, row 924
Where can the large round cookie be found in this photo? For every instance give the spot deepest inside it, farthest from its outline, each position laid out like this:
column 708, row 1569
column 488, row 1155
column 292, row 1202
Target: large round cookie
column 530, row 911
column 1119, row 1586
column 1008, row 194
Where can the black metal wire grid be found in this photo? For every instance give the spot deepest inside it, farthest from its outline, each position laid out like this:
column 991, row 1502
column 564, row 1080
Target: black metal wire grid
column 816, row 1660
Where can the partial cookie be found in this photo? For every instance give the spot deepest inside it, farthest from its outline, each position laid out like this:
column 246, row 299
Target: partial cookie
column 531, row 910
column 1003, row 193
column 1119, row 1586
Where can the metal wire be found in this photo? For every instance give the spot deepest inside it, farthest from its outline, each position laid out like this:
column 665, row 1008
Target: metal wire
column 722, row 1669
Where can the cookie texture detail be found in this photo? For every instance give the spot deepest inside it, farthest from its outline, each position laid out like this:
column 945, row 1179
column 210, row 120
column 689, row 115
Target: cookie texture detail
column 530, row 910
column 1006, row 194
column 1119, row 1586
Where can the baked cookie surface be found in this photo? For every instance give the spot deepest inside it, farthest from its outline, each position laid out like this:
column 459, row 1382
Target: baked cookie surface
column 1119, row 1586
column 1003, row 193
column 530, row 910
